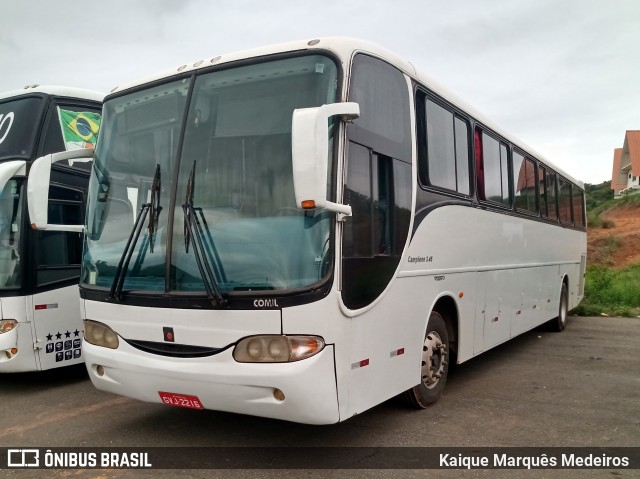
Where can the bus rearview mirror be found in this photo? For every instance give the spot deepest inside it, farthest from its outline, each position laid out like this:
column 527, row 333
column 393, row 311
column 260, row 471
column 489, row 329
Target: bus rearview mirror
column 38, row 188
column 310, row 154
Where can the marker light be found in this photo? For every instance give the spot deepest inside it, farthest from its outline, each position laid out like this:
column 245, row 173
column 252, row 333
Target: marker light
column 100, row 334
column 278, row 394
column 308, row 204
column 276, row 349
column 7, row 325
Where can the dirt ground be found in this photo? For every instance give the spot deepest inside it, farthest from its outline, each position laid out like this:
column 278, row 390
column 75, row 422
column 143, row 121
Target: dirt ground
column 617, row 245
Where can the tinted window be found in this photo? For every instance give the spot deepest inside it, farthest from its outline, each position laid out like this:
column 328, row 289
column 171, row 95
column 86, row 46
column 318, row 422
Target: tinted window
column 70, row 127
column 60, row 252
column 378, row 181
column 564, row 200
column 383, row 96
column 19, row 125
column 11, row 227
column 550, row 189
column 379, row 191
column 578, row 206
column 447, row 147
column 495, row 170
column 462, row 155
column 441, row 147
column 542, row 191
column 524, row 181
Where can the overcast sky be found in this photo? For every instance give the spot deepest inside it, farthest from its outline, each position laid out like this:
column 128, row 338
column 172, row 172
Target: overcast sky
column 562, row 75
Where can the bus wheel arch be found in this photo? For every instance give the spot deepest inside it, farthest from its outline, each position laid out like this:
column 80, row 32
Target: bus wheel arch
column 440, row 337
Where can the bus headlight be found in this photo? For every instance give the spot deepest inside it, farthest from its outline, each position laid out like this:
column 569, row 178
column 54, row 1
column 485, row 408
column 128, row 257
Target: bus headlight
column 100, row 334
column 271, row 348
column 7, row 325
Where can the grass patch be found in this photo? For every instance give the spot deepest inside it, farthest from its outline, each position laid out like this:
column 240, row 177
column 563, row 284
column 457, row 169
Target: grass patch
column 611, row 292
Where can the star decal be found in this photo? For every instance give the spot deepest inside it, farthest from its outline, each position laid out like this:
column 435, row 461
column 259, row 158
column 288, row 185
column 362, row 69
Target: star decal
column 76, row 333
column 67, row 334
column 58, row 336
column 49, row 337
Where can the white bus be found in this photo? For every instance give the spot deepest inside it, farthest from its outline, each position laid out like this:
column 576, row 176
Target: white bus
column 304, row 231
column 40, row 323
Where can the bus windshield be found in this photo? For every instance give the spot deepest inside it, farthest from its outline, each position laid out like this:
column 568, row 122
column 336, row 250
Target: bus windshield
column 18, row 120
column 201, row 166
column 10, row 229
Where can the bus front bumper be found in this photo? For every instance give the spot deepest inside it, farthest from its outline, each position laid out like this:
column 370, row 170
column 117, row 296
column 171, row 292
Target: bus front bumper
column 220, row 383
column 16, row 350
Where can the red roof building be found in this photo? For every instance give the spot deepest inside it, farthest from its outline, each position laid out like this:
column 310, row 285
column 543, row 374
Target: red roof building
column 626, row 165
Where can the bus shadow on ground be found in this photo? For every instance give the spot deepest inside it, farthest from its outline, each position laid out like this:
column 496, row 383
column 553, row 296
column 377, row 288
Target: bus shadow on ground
column 29, row 382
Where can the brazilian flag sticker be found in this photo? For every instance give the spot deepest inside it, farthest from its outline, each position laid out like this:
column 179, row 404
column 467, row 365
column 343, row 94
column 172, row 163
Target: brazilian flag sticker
column 79, row 128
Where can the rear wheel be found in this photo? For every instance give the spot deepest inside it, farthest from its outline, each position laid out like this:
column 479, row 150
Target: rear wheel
column 560, row 322
column 435, row 365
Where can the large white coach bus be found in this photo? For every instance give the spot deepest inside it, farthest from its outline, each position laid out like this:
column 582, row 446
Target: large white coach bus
column 304, row 231
column 40, row 323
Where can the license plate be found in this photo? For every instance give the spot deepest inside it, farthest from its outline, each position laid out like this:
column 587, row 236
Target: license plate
column 180, row 400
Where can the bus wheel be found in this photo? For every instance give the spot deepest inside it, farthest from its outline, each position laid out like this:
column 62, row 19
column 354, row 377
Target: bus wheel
column 560, row 322
column 435, row 365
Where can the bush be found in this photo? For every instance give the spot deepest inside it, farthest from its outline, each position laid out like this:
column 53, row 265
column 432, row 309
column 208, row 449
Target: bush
column 607, row 224
column 610, row 291
column 594, row 220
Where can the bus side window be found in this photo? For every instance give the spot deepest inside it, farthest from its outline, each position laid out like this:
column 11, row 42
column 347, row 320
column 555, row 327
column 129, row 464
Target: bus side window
column 550, row 188
column 53, row 141
column 542, row 190
column 578, row 206
column 564, row 201
column 379, row 191
column 59, row 252
column 447, row 149
column 495, row 171
column 378, row 181
column 524, row 183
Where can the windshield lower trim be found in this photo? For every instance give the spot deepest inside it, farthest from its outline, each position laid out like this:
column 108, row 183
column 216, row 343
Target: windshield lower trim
column 251, row 300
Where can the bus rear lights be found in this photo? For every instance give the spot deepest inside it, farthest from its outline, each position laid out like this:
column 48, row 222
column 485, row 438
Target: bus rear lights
column 7, row 325
column 100, row 334
column 273, row 348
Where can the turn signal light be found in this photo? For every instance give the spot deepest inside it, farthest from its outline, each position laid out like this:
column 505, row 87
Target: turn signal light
column 308, row 204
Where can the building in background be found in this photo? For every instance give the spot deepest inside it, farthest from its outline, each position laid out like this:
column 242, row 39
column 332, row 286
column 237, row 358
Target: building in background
column 626, row 166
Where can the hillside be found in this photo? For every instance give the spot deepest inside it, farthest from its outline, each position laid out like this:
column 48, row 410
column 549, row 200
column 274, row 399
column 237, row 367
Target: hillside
column 617, row 245
column 614, row 228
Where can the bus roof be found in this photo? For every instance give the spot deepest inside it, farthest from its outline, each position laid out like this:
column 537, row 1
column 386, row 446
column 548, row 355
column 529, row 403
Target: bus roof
column 61, row 91
column 345, row 48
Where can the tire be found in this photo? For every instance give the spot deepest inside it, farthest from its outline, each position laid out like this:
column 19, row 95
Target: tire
column 559, row 323
column 435, row 365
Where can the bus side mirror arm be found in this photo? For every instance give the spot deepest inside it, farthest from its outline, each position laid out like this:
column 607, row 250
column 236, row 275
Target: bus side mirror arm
column 38, row 189
column 310, row 155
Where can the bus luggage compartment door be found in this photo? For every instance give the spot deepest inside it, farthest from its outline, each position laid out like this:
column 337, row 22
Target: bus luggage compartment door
column 58, row 327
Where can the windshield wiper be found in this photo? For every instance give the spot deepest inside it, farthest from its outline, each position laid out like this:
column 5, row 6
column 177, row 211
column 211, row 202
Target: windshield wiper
column 193, row 235
column 152, row 207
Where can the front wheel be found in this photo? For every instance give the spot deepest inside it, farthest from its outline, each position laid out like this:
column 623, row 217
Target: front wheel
column 435, row 365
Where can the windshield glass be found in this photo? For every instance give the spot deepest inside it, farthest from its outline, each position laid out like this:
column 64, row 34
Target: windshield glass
column 19, row 122
column 234, row 181
column 10, row 229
